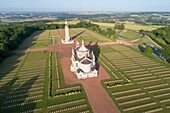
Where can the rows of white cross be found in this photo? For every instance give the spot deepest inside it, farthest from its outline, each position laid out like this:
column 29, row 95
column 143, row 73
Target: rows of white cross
column 34, row 85
column 41, row 91
column 21, row 104
column 134, row 101
column 66, row 103
column 87, row 111
column 25, row 90
column 31, row 97
column 71, row 108
column 130, row 96
column 140, row 106
column 33, row 110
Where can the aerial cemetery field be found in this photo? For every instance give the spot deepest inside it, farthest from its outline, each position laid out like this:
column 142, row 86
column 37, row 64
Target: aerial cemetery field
column 137, row 83
column 34, row 82
column 38, row 39
column 87, row 35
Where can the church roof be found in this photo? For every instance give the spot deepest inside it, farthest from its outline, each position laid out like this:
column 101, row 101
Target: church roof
column 86, row 61
column 82, row 48
column 78, row 59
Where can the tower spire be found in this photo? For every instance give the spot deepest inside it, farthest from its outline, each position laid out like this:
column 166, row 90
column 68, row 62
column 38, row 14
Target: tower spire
column 66, row 23
column 83, row 42
column 67, row 39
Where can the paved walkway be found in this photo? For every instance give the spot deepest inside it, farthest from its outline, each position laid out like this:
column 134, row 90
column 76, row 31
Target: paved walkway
column 62, row 33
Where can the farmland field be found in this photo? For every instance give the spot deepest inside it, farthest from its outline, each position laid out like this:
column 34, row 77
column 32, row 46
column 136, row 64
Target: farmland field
column 138, row 83
column 63, row 22
column 129, row 25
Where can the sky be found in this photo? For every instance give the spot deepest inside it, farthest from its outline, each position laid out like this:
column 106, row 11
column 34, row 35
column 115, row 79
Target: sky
column 85, row 5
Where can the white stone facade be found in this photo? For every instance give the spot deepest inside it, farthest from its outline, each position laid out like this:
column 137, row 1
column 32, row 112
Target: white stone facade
column 83, row 62
column 67, row 39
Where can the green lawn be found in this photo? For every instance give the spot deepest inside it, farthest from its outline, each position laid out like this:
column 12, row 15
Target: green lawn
column 87, row 35
column 130, row 35
column 40, row 39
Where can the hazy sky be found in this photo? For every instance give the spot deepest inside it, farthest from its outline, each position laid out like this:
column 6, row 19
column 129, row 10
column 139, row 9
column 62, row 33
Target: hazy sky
column 85, row 5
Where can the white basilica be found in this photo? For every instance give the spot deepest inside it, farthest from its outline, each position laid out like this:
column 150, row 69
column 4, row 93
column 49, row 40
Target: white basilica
column 67, row 39
column 83, row 62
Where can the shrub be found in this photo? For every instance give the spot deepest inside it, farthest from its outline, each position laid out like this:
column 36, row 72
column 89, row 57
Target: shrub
column 148, row 50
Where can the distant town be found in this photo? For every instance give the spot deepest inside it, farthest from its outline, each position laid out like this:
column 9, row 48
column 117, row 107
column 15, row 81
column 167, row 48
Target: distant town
column 157, row 18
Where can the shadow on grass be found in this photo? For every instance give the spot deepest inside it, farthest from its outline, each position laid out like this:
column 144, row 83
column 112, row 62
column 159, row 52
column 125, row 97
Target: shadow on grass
column 15, row 97
column 29, row 41
column 5, row 88
column 166, row 41
column 141, row 48
column 10, row 64
column 77, row 35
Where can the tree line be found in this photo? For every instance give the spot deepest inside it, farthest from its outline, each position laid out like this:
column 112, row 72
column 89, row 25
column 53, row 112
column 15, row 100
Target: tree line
column 12, row 36
column 162, row 37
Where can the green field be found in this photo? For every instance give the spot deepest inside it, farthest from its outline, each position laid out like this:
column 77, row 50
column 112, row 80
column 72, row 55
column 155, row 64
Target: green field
column 130, row 35
column 137, row 83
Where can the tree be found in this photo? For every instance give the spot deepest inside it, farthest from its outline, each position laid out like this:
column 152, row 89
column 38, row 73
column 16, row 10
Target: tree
column 4, row 51
column 148, row 50
column 119, row 26
column 166, row 52
column 114, row 37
